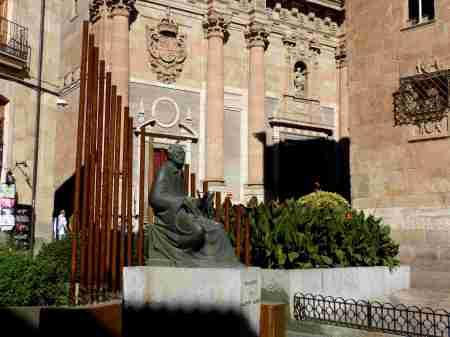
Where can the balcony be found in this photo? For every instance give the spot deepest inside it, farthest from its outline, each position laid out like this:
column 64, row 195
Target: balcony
column 14, row 47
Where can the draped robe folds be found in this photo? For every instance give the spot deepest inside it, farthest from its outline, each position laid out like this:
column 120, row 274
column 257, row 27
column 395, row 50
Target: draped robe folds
column 182, row 235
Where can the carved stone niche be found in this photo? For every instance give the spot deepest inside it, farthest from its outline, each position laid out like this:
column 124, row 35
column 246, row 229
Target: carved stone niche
column 167, row 49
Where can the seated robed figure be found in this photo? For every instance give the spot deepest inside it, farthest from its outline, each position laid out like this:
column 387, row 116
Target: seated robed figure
column 182, row 232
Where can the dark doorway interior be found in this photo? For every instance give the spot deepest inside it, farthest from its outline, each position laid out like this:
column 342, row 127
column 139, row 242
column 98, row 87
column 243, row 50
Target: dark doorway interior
column 297, row 167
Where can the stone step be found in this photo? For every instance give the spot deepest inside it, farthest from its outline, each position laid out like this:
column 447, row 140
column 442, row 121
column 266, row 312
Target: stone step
column 435, row 299
column 427, row 278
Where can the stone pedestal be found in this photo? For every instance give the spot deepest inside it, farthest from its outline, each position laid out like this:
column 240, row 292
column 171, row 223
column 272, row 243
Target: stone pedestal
column 201, row 292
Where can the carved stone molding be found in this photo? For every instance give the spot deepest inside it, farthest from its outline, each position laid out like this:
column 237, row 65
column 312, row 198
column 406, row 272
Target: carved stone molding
column 216, row 24
column 113, row 7
column 257, row 35
column 167, row 49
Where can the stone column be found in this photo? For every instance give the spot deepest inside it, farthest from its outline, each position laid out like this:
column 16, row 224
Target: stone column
column 256, row 36
column 215, row 27
column 112, row 20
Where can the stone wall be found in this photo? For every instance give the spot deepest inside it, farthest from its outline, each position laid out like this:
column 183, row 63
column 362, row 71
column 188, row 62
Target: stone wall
column 406, row 182
column 20, row 112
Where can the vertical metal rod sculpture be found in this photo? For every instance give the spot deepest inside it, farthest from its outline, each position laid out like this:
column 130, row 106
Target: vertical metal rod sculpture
column 87, row 137
column 193, row 185
column 129, row 156
column 218, row 204
column 186, row 178
column 123, row 205
column 238, row 230
column 99, row 185
column 107, row 190
column 247, row 247
column 92, row 169
column 151, row 174
column 226, row 214
column 117, row 110
column 140, row 241
column 78, row 160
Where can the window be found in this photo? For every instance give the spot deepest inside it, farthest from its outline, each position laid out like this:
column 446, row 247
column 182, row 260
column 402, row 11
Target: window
column 421, row 11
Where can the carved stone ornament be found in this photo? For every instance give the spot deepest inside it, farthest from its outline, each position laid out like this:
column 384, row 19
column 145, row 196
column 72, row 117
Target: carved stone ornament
column 167, row 49
column 96, row 7
column 302, row 47
column 256, row 35
column 216, row 24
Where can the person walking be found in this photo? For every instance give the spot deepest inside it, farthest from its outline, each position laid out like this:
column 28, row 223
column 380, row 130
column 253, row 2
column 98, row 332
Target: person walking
column 60, row 226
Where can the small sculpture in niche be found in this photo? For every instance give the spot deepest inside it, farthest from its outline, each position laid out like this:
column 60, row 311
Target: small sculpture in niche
column 167, row 49
column 300, row 79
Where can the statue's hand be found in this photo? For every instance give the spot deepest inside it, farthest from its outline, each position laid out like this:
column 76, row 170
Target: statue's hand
column 190, row 204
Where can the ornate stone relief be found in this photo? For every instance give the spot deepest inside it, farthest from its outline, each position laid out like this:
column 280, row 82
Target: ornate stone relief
column 216, row 24
column 126, row 6
column 301, row 58
column 256, row 34
column 167, row 49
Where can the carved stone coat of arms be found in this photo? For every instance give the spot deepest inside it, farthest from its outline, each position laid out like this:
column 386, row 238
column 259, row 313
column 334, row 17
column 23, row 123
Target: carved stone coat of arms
column 167, row 49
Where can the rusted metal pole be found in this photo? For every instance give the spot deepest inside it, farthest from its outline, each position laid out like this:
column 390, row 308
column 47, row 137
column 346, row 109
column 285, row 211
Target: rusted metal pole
column 116, row 248
column 193, row 185
column 151, row 173
column 92, row 176
column 186, row 178
column 100, row 185
column 247, row 243
column 78, row 161
column 124, row 185
column 86, row 179
column 226, row 214
column 140, row 241
column 107, row 182
column 205, row 187
column 238, row 231
column 218, row 204
column 129, row 156
column 111, row 206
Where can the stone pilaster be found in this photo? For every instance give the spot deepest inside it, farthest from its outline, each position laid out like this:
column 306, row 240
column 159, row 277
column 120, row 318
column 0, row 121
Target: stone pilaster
column 215, row 26
column 256, row 35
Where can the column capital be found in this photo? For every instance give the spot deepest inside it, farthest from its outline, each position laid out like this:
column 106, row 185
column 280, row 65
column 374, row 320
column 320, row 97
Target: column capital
column 215, row 24
column 257, row 35
column 113, row 7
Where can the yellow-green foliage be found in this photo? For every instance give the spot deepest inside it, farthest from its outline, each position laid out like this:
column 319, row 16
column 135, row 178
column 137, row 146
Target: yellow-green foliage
column 322, row 199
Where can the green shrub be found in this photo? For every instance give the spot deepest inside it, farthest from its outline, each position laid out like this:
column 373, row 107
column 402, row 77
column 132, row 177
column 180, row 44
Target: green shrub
column 322, row 199
column 42, row 280
column 293, row 235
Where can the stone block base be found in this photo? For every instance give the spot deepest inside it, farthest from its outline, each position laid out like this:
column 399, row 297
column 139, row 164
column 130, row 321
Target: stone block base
column 227, row 298
column 254, row 190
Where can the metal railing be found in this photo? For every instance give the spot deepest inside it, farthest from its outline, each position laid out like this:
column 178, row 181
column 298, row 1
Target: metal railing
column 14, row 40
column 373, row 316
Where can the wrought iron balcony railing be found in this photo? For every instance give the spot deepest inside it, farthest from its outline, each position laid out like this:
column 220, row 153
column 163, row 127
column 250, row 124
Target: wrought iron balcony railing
column 14, row 40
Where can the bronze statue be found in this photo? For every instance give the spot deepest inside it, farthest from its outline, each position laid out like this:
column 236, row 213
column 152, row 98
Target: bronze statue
column 183, row 233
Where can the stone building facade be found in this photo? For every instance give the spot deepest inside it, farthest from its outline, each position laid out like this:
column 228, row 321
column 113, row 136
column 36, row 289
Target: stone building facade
column 228, row 79
column 233, row 80
column 20, row 39
column 400, row 169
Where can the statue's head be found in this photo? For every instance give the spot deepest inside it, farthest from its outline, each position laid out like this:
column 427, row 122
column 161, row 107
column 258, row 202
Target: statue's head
column 176, row 154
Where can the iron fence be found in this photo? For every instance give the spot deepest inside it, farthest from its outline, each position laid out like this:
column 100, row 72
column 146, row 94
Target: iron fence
column 374, row 316
column 14, row 39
